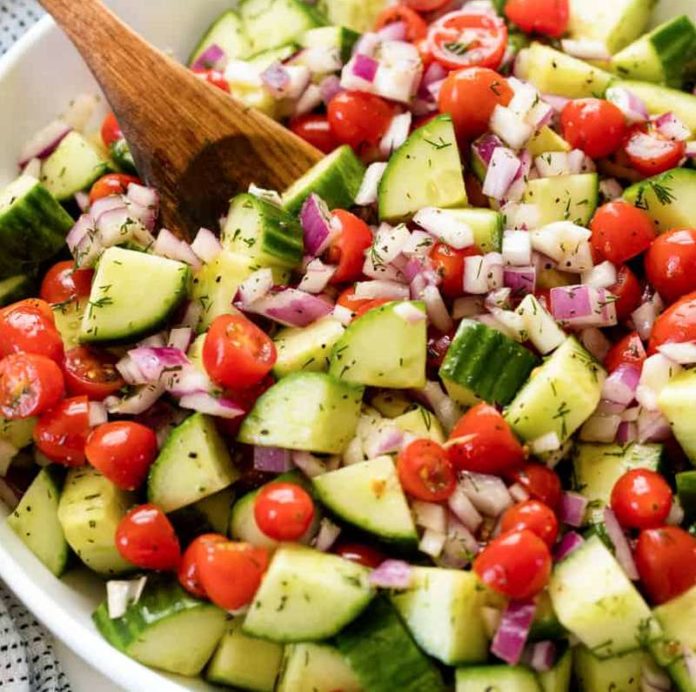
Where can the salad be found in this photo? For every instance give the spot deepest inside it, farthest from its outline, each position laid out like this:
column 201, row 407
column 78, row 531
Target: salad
column 423, row 421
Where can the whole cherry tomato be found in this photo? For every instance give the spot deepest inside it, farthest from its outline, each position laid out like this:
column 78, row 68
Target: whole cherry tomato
column 650, row 153
column 595, row 126
column 63, row 282
column 28, row 327
column 621, row 231
column 146, row 538
column 547, row 17
column 533, row 515
column 449, row 264
column 629, row 351
column 540, row 482
column 92, row 373
column 110, row 130
column 641, row 499
column 61, row 432
column 316, row 130
column 187, row 573
column 675, row 325
column 358, row 118
column 426, row 472
column 112, row 184
column 29, row 385
column 670, row 263
column 628, row 293
column 348, row 249
column 283, row 511
column 425, row 5
column 359, row 552
column 214, row 77
column 416, row 27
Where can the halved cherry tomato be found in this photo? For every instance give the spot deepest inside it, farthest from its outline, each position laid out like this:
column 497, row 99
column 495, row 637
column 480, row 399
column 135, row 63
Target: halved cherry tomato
column 595, row 126
column 29, row 385
column 540, row 482
column 110, row 130
column 517, row 564
column 666, row 562
column 641, row 499
column 628, row 293
column 283, row 511
column 483, row 442
column 670, row 263
column 214, row 77
column 676, row 325
column 63, row 281
column 146, row 538
column 426, row 472
column 236, row 353
column 123, row 451
column 316, row 130
column 548, row 17
column 28, row 327
column 348, row 250
column 620, row 232
column 61, row 432
column 187, row 574
column 470, row 97
column 425, row 5
column 112, row 184
column 92, row 373
column 629, row 350
column 468, row 39
column 650, row 153
column 416, row 27
column 348, row 300
column 358, row 118
column 449, row 264
column 533, row 515
column 230, row 573
column 358, row 552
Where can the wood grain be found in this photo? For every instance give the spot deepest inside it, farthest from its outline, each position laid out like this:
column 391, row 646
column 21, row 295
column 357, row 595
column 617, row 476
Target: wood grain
column 194, row 143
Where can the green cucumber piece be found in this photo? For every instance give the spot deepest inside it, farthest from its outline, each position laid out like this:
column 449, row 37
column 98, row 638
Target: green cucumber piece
column 618, row 673
column 660, row 99
column 686, row 489
column 564, row 198
column 336, row 179
column 307, row 348
column 338, row 37
column 309, row 411
column 307, row 595
column 545, row 141
column 266, row 58
column 35, row 520
column 15, row 288
column 489, row 678
column 316, row 667
column 121, row 155
column 486, row 224
column 421, row 423
column 558, row 678
column 227, row 32
column 545, row 624
column 165, row 629
column 68, row 317
column 209, row 515
column 677, row 401
column 426, row 171
column 358, row 15
column 484, row 364
column 19, row 433
column 119, row 309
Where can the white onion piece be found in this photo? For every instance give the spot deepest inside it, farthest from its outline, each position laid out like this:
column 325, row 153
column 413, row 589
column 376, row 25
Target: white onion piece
column 512, row 129
column 432, row 543
column 311, row 465
column 204, row 402
column 501, row 173
column 645, row 316
column 206, row 245
column 430, row 515
column 396, row 134
column 460, row 546
column 418, row 245
column 622, row 548
column 328, row 534
column 487, row 493
column 367, row 194
column 652, row 426
column 97, row 414
column 445, row 225
column 389, row 290
column 80, row 111
column 682, row 353
column 342, row 314
column 462, row 507
column 517, row 248
column 621, row 384
column 121, row 594
column 525, row 96
column 586, row 49
column 139, row 402
column 483, row 273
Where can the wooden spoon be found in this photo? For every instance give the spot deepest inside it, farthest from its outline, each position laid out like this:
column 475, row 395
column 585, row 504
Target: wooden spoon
column 191, row 141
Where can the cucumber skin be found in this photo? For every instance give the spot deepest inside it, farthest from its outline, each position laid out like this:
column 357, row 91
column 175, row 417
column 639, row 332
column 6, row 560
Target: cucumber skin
column 122, row 156
column 15, row 288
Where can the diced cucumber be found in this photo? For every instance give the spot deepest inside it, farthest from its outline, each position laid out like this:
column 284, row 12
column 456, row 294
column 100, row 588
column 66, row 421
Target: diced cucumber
column 486, row 225
column 392, row 403
column 686, row 489
column 117, row 290
column 307, row 348
column 266, row 58
column 545, row 624
column 660, row 99
column 309, row 411
column 307, row 595
column 597, row 467
column 19, row 433
column 227, row 32
column 677, row 401
column 194, row 463
column 421, row 423
column 121, row 155
column 564, row 198
column 359, row 15
column 35, row 520
column 68, row 317
column 487, row 678
column 595, row 600
column 32, row 225
column 165, row 629
column 15, row 288
column 244, row 662
column 546, row 140
column 261, row 230
column 336, row 179
column 383, row 348
column 209, row 515
column 559, row 396
column 368, row 495
column 442, row 610
column 426, row 171
column 89, row 512
column 558, row 678
column 484, row 364
column 338, row 37
column 384, row 657
column 316, row 667
column 73, row 166
column 553, row 72
column 618, row 673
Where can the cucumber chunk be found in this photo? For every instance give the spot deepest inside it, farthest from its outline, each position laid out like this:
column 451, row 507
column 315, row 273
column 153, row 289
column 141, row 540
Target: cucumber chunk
column 618, row 673
column 564, row 198
column 68, row 317
column 383, row 348
column 35, row 521
column 194, row 463
column 421, row 423
column 384, row 657
column 484, row 364
column 122, row 156
column 686, row 489
column 359, row 15
column 426, row 171
column 316, row 667
column 486, row 678
column 677, row 401
column 119, row 309
column 227, row 32
column 486, row 225
column 306, row 348
column 15, row 288
column 19, row 433
column 165, row 629
column 558, row 678
column 308, row 411
column 368, row 495
column 546, row 140
column 660, row 99
column 306, row 595
column 338, row 37
column 595, row 600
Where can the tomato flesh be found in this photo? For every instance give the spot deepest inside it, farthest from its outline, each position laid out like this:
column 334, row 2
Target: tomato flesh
column 29, row 385
column 348, row 250
column 146, row 538
column 359, row 552
column 63, row 282
column 283, row 511
column 110, row 130
column 214, row 77
column 651, row 154
column 595, row 126
column 675, row 325
column 92, row 373
column 621, row 232
column 29, row 327
column 540, row 482
column 426, row 472
column 534, row 516
column 547, row 17
column 188, row 574
column 628, row 293
column 629, row 351
column 670, row 264
column 641, row 499
column 61, row 432
column 416, row 28
column 359, row 119
column 449, row 264
column 316, row 130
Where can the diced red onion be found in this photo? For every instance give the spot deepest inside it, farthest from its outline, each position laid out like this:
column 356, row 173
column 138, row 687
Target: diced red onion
column 512, row 129
column 409, row 312
column 676, row 514
column 436, row 309
column 276, row 79
column 517, row 248
column 445, row 409
column 310, row 464
column 460, row 546
column 435, row 72
column 44, row 142
column 542, row 656
column 487, row 493
column 631, row 414
column 180, row 338
column 627, row 432
column 595, row 342
column 599, row 428
column 396, row 134
column 291, row 307
column 188, row 380
column 384, row 440
column 498, row 299
column 121, row 594
column 137, row 403
column 272, row 459
column 204, row 402
column 392, row 574
column 572, row 510
column 462, row 507
column 672, row 128
column 652, row 426
column 206, row 245
column 367, row 44
column 367, row 194
column 107, row 204
column 342, row 314
column 521, row 280
column 633, row 108
column 255, row 287
column 586, row 49
column 567, row 545
column 511, row 637
column 168, row 245
column 621, row 385
column 364, row 67
column 484, row 146
column 192, row 315
column 540, row 115
column 611, row 189
column 319, row 59
column 582, row 305
column 644, row 318
column 501, row 173
column 394, row 31
column 212, row 58
column 558, row 103
column 153, row 362
column 683, row 353
column 328, row 534
column 622, row 549
column 317, row 277
column 316, row 224
column 329, row 88
column 83, row 228
column 311, row 98
column 376, row 289
column 144, row 196
column 654, row 679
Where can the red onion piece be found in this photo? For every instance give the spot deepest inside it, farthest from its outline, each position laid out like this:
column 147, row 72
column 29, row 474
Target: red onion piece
column 445, row 409
column 365, row 67
column 367, row 44
column 206, row 246
column 168, row 245
column 188, row 380
column 83, row 228
column 137, row 403
column 622, row 549
column 212, row 58
column 511, row 637
column 567, row 545
column 394, row 31
column 317, row 277
column 291, row 307
column 392, row 574
column 316, row 223
column 627, row 432
column 153, row 362
column 583, row 306
column 683, row 353
column 462, row 507
column 484, row 146
column 542, row 656
column 460, row 546
column 437, row 310
column 487, row 493
column 633, row 108
column 620, row 387
column 375, row 289
column 385, row 440
column 502, row 171
column 310, row 464
column 204, row 402
column 255, row 287
column 652, row 426
column 409, row 312
column 522, row 280
column 558, row 103
column 329, row 87
column 181, row 338
column 44, row 142
column 276, row 79
column 272, row 459
column 670, row 127
column 572, row 510
column 328, row 534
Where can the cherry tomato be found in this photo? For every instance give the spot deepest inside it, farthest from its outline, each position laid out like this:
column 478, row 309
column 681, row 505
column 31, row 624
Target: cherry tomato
column 416, row 27
column 666, row 562
column 629, row 351
column 214, row 77
column 641, row 499
column 676, row 325
column 123, row 451
column 438, row 345
column 425, row 5
column 621, row 231
column 516, row 564
column 61, row 432
column 670, row 263
column 484, row 442
column 63, row 282
column 25, row 327
column 146, row 538
column 316, row 130
column 360, row 553
column 236, row 353
column 348, row 250
column 628, row 293
column 283, row 511
column 92, row 373
column 468, row 39
column 548, row 17
column 29, row 385
column 357, row 118
column 470, row 97
column 533, row 515
column 449, row 264
column 426, row 472
column 650, row 153
column 111, row 184
column 540, row 482
column 187, row 573
column 110, row 130
column 595, row 126
column 348, row 300
column 230, row 573
column 245, row 399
